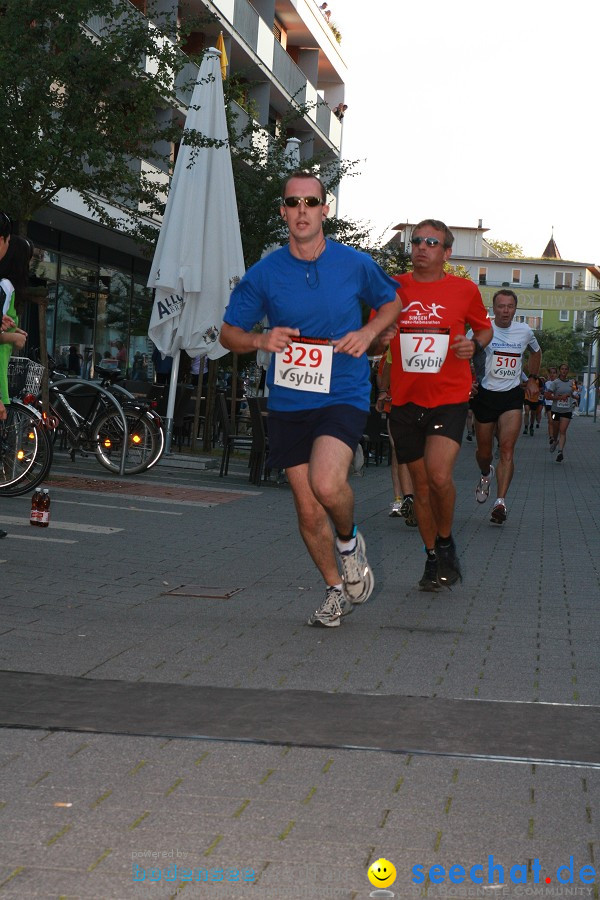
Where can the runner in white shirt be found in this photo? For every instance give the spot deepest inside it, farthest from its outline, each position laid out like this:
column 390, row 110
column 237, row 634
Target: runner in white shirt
column 499, row 397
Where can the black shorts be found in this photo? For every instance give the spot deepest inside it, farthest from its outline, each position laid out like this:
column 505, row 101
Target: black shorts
column 561, row 415
column 488, row 406
column 292, row 434
column 532, row 404
column 411, row 425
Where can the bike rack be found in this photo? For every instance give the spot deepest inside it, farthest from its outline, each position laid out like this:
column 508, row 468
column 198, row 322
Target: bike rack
column 77, row 381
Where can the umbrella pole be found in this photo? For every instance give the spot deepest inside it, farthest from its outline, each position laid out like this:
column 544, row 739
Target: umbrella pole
column 171, row 403
column 211, row 392
column 197, row 410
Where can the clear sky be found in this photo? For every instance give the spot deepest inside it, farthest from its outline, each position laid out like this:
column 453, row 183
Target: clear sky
column 475, row 110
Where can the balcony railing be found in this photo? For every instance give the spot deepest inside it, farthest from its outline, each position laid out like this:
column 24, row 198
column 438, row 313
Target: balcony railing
column 245, row 20
column 288, row 74
column 527, row 285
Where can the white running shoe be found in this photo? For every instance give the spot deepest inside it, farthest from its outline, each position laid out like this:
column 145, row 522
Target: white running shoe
column 482, row 491
column 357, row 577
column 395, row 511
column 329, row 614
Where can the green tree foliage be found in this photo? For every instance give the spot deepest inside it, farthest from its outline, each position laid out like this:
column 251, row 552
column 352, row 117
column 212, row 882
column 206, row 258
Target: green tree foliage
column 564, row 345
column 594, row 333
column 79, row 106
column 459, row 270
column 260, row 165
column 512, row 251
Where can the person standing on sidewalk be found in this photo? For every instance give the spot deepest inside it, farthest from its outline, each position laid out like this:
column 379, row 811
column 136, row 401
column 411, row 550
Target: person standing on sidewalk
column 498, row 402
column 430, row 382
column 564, row 400
column 318, row 379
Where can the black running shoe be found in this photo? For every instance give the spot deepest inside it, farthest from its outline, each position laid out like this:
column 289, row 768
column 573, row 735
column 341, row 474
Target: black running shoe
column 407, row 510
column 448, row 567
column 559, row 458
column 429, row 581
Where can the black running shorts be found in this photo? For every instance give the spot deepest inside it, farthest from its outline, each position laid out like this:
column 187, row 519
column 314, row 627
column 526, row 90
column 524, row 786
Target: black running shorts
column 488, row 406
column 411, row 425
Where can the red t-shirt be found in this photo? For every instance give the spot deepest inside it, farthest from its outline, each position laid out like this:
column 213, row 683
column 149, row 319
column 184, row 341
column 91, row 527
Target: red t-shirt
column 425, row 370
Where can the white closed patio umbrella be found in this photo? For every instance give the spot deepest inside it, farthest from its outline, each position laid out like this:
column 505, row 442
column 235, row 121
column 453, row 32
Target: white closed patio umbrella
column 198, row 258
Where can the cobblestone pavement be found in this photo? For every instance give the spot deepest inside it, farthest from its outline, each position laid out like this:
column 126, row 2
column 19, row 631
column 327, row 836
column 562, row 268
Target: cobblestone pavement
column 112, row 815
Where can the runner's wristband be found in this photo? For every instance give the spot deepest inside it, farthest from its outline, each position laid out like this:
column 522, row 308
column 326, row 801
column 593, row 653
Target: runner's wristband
column 477, row 345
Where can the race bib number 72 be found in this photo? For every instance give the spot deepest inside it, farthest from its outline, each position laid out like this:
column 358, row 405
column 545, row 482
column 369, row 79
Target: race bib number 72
column 423, row 350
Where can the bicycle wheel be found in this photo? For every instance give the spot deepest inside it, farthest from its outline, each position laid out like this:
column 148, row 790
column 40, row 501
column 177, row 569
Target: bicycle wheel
column 38, row 471
column 144, row 445
column 19, row 442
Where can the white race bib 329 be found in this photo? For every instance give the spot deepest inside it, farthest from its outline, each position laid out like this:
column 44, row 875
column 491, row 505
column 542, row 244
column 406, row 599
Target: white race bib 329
column 305, row 365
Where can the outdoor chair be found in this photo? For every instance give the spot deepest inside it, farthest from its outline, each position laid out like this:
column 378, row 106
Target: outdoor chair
column 260, row 443
column 231, row 440
column 140, row 389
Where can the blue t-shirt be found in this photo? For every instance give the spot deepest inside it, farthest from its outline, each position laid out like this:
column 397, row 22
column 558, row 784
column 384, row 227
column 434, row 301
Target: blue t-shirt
column 322, row 299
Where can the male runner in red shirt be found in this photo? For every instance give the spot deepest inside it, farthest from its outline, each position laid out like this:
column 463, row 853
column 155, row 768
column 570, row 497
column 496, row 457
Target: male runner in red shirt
column 430, row 387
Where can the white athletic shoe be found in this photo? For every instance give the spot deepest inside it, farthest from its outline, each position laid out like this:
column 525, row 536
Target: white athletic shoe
column 329, row 614
column 357, row 577
column 482, row 490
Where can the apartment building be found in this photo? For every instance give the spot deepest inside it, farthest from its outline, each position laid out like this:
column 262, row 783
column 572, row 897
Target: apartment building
column 284, row 50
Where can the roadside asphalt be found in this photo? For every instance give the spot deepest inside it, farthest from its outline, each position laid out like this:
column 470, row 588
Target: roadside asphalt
column 180, row 578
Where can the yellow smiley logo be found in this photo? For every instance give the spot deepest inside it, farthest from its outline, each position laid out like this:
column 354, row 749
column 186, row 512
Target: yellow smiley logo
column 382, row 873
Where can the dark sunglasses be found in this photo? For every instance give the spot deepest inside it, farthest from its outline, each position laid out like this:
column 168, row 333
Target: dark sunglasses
column 431, row 242
column 308, row 201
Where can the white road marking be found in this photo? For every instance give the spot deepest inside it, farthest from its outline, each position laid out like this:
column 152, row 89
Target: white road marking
column 41, row 537
column 155, row 512
column 62, row 526
column 176, row 500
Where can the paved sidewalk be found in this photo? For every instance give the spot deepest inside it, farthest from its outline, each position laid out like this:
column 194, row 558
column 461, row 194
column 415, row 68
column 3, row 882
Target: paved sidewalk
column 116, row 589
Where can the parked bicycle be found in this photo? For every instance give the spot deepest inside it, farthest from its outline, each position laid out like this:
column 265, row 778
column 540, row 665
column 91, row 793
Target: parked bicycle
column 92, row 419
column 25, row 436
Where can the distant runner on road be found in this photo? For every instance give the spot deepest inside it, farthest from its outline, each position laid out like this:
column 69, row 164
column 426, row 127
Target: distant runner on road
column 498, row 401
column 564, row 398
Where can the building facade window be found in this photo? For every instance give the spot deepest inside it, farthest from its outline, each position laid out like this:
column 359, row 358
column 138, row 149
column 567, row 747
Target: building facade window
column 516, row 276
column 563, row 315
column 483, row 275
column 563, row 281
column 103, row 312
column 533, row 319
